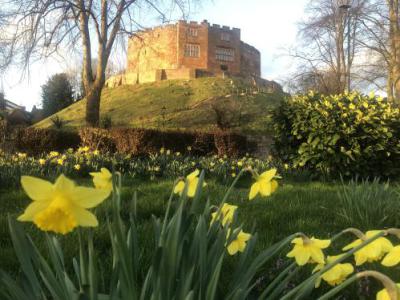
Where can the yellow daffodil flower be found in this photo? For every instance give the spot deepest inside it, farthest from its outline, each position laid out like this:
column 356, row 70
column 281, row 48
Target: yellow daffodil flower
column 83, row 149
column 77, row 167
column 42, row 161
column 192, row 180
column 60, row 161
column 308, row 250
column 239, row 244
column 226, row 213
column 392, row 258
column 337, row 274
column 22, row 155
column 384, row 295
column 53, row 154
column 62, row 206
column 102, row 179
column 265, row 185
column 373, row 251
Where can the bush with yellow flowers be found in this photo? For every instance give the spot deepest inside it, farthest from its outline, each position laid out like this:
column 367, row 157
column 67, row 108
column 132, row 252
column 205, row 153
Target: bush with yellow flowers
column 347, row 134
column 194, row 241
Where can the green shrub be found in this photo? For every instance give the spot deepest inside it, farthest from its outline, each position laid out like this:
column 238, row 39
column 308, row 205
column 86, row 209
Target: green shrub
column 348, row 134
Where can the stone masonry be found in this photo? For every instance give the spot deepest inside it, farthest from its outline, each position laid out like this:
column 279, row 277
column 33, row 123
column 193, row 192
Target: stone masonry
column 188, row 50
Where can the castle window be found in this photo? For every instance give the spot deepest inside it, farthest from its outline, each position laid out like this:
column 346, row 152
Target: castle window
column 225, row 36
column 192, row 32
column 192, row 50
column 225, row 54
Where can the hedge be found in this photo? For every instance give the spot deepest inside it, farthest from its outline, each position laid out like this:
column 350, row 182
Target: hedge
column 135, row 141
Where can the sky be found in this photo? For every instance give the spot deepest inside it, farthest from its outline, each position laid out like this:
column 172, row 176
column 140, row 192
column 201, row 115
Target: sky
column 268, row 25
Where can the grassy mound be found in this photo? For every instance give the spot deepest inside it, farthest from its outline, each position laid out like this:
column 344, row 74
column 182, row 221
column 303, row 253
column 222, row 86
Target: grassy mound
column 180, row 104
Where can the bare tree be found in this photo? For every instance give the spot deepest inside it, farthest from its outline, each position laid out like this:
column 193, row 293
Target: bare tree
column 36, row 29
column 322, row 53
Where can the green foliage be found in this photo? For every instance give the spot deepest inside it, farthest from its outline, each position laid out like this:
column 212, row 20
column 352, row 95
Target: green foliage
column 368, row 204
column 57, row 93
column 294, row 207
column 348, row 134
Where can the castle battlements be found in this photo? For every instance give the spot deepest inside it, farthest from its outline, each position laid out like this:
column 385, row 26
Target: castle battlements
column 189, row 49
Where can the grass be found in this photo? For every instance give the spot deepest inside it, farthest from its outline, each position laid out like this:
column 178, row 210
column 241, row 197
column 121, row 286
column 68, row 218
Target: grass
column 314, row 208
column 175, row 104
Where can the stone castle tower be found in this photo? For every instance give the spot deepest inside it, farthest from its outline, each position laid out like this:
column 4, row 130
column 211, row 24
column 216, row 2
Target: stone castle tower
column 188, row 50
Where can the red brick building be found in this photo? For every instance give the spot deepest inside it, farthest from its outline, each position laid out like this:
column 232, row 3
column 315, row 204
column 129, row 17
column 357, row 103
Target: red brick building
column 189, row 50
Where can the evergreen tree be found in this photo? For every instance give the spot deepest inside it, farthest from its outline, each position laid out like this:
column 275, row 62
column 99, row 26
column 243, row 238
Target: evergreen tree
column 57, row 94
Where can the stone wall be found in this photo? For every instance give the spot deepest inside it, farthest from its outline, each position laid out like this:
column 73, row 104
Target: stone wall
column 152, row 50
column 201, row 39
column 215, row 41
column 250, row 60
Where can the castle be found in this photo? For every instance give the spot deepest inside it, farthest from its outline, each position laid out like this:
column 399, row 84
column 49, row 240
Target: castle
column 188, row 50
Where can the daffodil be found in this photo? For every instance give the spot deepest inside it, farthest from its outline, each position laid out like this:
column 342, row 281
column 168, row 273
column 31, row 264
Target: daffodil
column 84, row 149
column 384, row 295
column 392, row 258
column 239, row 244
column 192, row 181
column 335, row 275
column 374, row 251
column 77, row 167
column 42, row 161
column 307, row 250
column 102, row 179
column 53, row 154
column 265, row 185
column 226, row 213
column 62, row 206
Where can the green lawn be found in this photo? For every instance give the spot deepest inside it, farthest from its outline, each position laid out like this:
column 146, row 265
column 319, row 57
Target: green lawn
column 178, row 104
column 314, row 208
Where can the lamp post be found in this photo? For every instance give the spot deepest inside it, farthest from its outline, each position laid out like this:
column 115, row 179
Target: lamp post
column 345, row 5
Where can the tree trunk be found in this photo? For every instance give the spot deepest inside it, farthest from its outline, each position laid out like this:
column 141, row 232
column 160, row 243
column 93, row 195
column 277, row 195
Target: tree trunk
column 394, row 40
column 93, row 105
column 389, row 84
